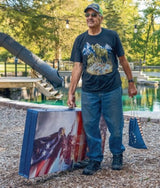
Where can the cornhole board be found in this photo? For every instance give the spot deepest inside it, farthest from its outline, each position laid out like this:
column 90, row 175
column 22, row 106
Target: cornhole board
column 53, row 141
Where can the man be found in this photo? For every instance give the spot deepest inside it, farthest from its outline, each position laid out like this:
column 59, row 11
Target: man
column 95, row 55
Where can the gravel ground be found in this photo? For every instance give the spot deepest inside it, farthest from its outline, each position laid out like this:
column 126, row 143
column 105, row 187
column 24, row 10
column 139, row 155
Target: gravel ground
column 141, row 167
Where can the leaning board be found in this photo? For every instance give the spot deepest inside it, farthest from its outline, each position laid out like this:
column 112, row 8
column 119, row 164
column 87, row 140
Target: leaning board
column 53, row 140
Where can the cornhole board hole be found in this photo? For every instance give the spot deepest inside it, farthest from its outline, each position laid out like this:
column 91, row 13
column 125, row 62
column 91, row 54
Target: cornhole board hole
column 53, row 141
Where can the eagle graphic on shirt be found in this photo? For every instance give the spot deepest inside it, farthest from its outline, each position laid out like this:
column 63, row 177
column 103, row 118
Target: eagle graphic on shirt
column 98, row 59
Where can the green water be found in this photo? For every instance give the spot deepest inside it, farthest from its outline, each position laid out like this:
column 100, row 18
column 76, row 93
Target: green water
column 148, row 98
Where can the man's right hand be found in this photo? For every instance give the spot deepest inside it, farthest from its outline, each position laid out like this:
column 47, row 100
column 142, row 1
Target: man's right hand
column 71, row 101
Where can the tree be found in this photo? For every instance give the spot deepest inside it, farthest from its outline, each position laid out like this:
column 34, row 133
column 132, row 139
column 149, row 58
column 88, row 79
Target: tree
column 120, row 16
column 151, row 44
column 40, row 25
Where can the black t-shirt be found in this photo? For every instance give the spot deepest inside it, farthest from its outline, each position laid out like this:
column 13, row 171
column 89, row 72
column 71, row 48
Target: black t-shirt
column 98, row 53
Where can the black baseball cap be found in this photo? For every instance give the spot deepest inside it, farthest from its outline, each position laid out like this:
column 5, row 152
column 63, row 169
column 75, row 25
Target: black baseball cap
column 95, row 7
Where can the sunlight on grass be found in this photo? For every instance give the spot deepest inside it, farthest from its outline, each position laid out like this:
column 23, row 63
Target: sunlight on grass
column 11, row 67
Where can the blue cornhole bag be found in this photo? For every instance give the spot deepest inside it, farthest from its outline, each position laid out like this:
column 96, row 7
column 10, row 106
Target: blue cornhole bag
column 135, row 134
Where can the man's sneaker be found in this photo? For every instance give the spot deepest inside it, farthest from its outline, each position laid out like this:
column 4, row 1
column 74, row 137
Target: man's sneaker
column 81, row 164
column 92, row 167
column 117, row 162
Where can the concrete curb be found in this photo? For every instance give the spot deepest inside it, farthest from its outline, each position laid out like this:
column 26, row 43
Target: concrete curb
column 25, row 105
column 144, row 116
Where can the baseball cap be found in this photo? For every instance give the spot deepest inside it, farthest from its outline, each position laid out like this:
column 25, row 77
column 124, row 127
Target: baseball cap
column 95, row 7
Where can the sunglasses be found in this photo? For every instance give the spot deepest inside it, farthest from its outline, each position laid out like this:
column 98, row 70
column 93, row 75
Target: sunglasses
column 92, row 14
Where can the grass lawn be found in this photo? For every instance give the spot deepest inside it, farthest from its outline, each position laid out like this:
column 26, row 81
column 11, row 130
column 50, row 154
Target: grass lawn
column 10, row 67
column 154, row 79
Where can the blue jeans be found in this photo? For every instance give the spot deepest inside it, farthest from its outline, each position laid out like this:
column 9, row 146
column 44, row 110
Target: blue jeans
column 108, row 104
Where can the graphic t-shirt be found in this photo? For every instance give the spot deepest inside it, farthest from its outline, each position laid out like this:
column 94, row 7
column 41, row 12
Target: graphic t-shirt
column 98, row 53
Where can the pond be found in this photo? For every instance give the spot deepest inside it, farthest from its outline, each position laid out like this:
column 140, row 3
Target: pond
column 148, row 98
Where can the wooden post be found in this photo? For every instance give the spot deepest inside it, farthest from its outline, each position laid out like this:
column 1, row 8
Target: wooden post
column 31, row 93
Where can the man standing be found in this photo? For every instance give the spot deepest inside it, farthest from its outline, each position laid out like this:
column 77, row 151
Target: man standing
column 95, row 55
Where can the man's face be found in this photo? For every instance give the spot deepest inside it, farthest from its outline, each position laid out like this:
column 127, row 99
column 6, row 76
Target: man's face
column 93, row 19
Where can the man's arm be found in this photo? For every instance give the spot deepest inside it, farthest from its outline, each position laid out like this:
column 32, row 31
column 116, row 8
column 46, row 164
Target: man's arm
column 76, row 74
column 131, row 86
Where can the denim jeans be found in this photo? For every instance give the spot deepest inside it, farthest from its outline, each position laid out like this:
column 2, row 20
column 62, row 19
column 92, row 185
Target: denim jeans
column 109, row 105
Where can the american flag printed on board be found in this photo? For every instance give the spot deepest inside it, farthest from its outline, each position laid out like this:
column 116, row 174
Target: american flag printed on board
column 53, row 141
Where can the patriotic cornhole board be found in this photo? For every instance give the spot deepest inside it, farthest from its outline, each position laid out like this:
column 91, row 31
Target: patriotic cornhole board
column 53, row 140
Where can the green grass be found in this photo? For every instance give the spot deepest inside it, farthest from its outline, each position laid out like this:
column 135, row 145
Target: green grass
column 11, row 67
column 154, row 79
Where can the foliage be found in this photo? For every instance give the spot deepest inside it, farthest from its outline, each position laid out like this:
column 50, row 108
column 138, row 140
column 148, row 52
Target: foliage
column 4, row 55
column 40, row 25
column 152, row 43
column 119, row 17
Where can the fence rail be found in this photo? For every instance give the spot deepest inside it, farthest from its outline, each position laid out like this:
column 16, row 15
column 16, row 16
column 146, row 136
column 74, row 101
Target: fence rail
column 62, row 65
column 22, row 69
column 150, row 67
column 14, row 69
